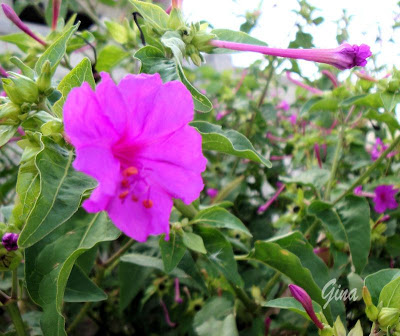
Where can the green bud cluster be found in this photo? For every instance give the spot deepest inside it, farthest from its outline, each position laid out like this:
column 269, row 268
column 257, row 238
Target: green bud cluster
column 20, row 89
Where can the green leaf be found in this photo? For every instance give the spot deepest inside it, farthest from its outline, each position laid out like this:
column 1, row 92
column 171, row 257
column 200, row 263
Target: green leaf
column 320, row 104
column 234, row 36
column 228, row 142
column 369, row 100
column 216, row 318
column 385, row 117
column 390, row 294
column 376, row 281
column 109, row 57
column 289, row 264
column 173, row 41
column 26, row 71
column 172, row 251
column 75, row 78
column 21, row 40
column 220, row 254
column 153, row 61
column 118, row 32
column 221, row 218
column 329, row 218
column 152, row 14
column 193, row 242
column 49, row 262
column 81, row 289
column 292, row 305
column 390, row 101
column 55, row 52
column 128, row 288
column 315, row 178
column 354, row 213
column 6, row 133
column 61, row 190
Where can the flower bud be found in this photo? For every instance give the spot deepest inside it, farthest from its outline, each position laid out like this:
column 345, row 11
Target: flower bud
column 302, row 296
column 372, row 313
column 196, row 59
column 175, row 20
column 327, row 331
column 9, row 111
column 20, row 89
column 388, row 317
column 9, row 260
column 366, row 296
column 44, row 81
column 10, row 241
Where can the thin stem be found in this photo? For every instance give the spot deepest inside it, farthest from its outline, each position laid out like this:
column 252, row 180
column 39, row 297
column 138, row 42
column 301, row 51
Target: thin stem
column 79, row 317
column 15, row 314
column 14, row 289
column 371, row 168
column 118, row 254
column 335, row 163
column 250, row 305
column 271, row 283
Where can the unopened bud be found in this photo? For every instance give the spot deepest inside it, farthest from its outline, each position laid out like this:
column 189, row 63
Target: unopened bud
column 366, row 296
column 196, row 59
column 388, row 317
column 9, row 260
column 372, row 313
column 44, row 80
column 20, row 89
column 9, row 111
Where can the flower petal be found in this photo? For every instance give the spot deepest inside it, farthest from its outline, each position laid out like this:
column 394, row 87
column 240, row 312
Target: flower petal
column 112, row 102
column 176, row 163
column 84, row 120
column 98, row 162
column 137, row 221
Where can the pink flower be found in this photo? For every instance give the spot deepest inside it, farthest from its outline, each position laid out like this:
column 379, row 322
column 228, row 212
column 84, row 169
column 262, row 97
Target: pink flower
column 3, row 72
column 134, row 139
column 358, row 191
column 211, row 192
column 318, row 154
column 302, row 296
column 345, row 56
column 378, row 149
column 56, row 12
column 283, row 105
column 293, row 119
column 385, row 198
column 13, row 17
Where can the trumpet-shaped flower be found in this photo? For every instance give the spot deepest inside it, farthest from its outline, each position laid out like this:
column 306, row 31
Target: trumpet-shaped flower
column 385, row 198
column 134, row 139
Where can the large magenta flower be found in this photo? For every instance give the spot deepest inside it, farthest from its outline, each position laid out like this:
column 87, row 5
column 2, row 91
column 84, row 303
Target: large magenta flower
column 385, row 198
column 134, row 139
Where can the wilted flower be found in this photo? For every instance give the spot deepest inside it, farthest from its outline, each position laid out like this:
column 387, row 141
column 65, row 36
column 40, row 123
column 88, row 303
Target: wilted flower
column 265, row 206
column 385, row 198
column 13, row 17
column 10, row 241
column 346, row 56
column 178, row 298
column 301, row 295
column 166, row 314
column 134, row 139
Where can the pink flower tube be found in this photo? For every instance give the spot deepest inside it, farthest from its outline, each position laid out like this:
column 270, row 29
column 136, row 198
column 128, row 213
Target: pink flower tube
column 56, row 12
column 304, row 86
column 346, row 56
column 13, row 17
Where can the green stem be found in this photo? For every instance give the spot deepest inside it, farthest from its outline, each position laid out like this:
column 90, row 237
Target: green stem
column 118, row 254
column 15, row 314
column 250, row 305
column 14, row 289
column 271, row 283
column 188, row 211
column 335, row 163
column 226, row 191
column 79, row 317
column 371, row 168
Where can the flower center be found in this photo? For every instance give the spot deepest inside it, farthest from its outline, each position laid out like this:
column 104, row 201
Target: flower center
column 134, row 184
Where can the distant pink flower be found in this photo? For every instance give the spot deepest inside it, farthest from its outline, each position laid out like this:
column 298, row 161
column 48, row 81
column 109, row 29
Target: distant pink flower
column 279, row 157
column 304, row 86
column 177, row 298
column 211, row 192
column 134, row 139
column 358, row 191
column 378, row 148
column 3, row 72
column 293, row 119
column 166, row 314
column 318, row 154
column 385, row 198
column 345, row 56
column 56, row 11
column 13, row 17
column 283, row 105
column 267, row 325
column 363, row 75
column 302, row 296
column 265, row 206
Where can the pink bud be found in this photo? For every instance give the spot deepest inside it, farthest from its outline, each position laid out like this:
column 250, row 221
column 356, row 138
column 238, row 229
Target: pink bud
column 178, row 298
column 13, row 17
column 56, row 12
column 301, row 295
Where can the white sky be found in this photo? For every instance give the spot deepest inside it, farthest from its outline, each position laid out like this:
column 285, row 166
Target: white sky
column 276, row 24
